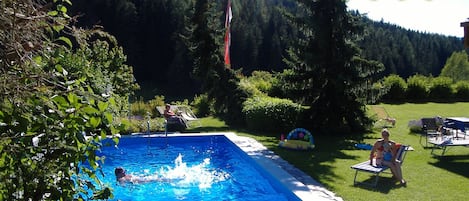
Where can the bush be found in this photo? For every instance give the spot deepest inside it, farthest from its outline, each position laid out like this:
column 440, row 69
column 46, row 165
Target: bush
column 141, row 125
column 271, row 114
column 462, row 90
column 202, row 105
column 139, row 108
column 280, row 86
column 258, row 84
column 417, row 88
column 441, row 89
column 396, row 87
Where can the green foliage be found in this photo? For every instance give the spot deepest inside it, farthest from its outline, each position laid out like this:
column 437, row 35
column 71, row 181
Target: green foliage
column 396, row 88
column 406, row 52
column 441, row 88
column 142, row 125
column 219, row 82
column 146, row 108
column 457, row 67
column 202, row 105
column 260, row 32
column 258, row 84
column 328, row 73
column 417, row 88
column 139, row 108
column 51, row 98
column 281, row 87
column 263, row 112
column 462, row 90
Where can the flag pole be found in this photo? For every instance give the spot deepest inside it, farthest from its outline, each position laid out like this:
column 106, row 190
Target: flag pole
column 228, row 17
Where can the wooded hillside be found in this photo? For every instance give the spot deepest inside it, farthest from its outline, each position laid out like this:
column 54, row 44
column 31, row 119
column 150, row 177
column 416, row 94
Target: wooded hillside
column 149, row 31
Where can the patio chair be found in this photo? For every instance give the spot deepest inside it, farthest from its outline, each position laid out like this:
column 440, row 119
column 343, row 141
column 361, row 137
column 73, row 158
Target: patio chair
column 384, row 120
column 430, row 128
column 376, row 170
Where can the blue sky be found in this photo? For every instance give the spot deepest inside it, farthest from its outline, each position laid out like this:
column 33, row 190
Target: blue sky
column 431, row 16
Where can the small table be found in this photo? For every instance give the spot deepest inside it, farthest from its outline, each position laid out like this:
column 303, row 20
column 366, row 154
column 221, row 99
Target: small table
column 446, row 143
column 457, row 123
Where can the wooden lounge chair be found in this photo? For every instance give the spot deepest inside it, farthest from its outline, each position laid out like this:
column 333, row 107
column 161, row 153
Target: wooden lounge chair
column 383, row 118
column 376, row 170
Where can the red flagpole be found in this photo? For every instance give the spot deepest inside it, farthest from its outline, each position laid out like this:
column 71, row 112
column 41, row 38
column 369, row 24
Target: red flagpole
column 228, row 17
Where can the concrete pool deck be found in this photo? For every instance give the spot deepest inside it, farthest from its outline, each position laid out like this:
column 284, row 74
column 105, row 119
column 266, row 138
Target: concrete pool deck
column 304, row 187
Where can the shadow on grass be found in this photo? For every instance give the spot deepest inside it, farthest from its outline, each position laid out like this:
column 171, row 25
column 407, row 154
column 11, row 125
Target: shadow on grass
column 454, row 164
column 385, row 184
column 318, row 163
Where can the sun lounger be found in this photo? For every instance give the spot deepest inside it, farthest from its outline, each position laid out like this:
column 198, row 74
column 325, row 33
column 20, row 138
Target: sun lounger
column 188, row 115
column 376, row 170
column 185, row 112
column 383, row 118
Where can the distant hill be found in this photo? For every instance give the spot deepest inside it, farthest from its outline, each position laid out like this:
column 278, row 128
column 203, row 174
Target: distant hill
column 149, row 31
column 407, row 52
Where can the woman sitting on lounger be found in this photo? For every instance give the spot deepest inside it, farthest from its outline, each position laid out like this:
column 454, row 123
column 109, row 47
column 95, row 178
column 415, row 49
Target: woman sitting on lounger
column 384, row 151
column 172, row 117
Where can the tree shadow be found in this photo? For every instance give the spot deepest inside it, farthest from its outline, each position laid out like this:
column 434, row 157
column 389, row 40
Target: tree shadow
column 315, row 163
column 454, row 164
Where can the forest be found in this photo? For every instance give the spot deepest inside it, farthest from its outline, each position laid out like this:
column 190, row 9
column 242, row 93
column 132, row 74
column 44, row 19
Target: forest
column 150, row 33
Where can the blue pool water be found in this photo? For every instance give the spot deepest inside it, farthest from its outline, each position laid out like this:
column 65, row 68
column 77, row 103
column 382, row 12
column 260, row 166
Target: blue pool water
column 194, row 168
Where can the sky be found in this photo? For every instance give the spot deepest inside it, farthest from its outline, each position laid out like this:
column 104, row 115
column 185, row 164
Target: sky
column 430, row 16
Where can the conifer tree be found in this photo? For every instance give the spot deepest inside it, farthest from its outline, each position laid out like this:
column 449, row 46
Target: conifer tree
column 204, row 40
column 329, row 74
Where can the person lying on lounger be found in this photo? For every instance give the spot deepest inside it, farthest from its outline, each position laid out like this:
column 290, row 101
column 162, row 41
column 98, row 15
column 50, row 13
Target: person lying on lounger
column 172, row 117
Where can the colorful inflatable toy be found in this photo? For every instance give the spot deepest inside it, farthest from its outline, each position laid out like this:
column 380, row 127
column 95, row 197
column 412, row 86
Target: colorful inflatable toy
column 298, row 139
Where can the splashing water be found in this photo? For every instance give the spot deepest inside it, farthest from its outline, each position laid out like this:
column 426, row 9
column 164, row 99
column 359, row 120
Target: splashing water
column 201, row 174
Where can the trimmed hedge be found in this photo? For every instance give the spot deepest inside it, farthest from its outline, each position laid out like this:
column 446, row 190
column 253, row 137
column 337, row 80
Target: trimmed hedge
column 271, row 114
column 397, row 88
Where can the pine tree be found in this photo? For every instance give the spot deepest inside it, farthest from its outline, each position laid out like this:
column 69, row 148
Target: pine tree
column 329, row 75
column 204, row 40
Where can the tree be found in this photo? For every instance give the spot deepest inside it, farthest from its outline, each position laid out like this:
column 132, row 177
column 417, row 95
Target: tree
column 204, row 39
column 456, row 67
column 329, row 75
column 52, row 115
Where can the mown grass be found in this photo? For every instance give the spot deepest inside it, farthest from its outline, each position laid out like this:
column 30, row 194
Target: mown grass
column 428, row 177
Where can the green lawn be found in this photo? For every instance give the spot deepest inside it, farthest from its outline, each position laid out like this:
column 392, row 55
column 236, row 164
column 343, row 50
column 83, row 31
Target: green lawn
column 428, row 177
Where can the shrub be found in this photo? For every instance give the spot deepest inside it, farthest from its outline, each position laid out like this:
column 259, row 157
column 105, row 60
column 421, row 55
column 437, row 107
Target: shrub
column 202, row 105
column 139, row 108
column 262, row 80
column 396, row 87
column 462, row 90
column 440, row 88
column 280, row 86
column 271, row 114
column 417, row 88
column 258, row 84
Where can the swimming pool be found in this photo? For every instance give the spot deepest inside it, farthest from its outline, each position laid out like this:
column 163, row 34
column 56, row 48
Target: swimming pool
column 196, row 168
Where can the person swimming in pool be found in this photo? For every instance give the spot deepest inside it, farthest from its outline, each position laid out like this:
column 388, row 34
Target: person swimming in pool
column 122, row 177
